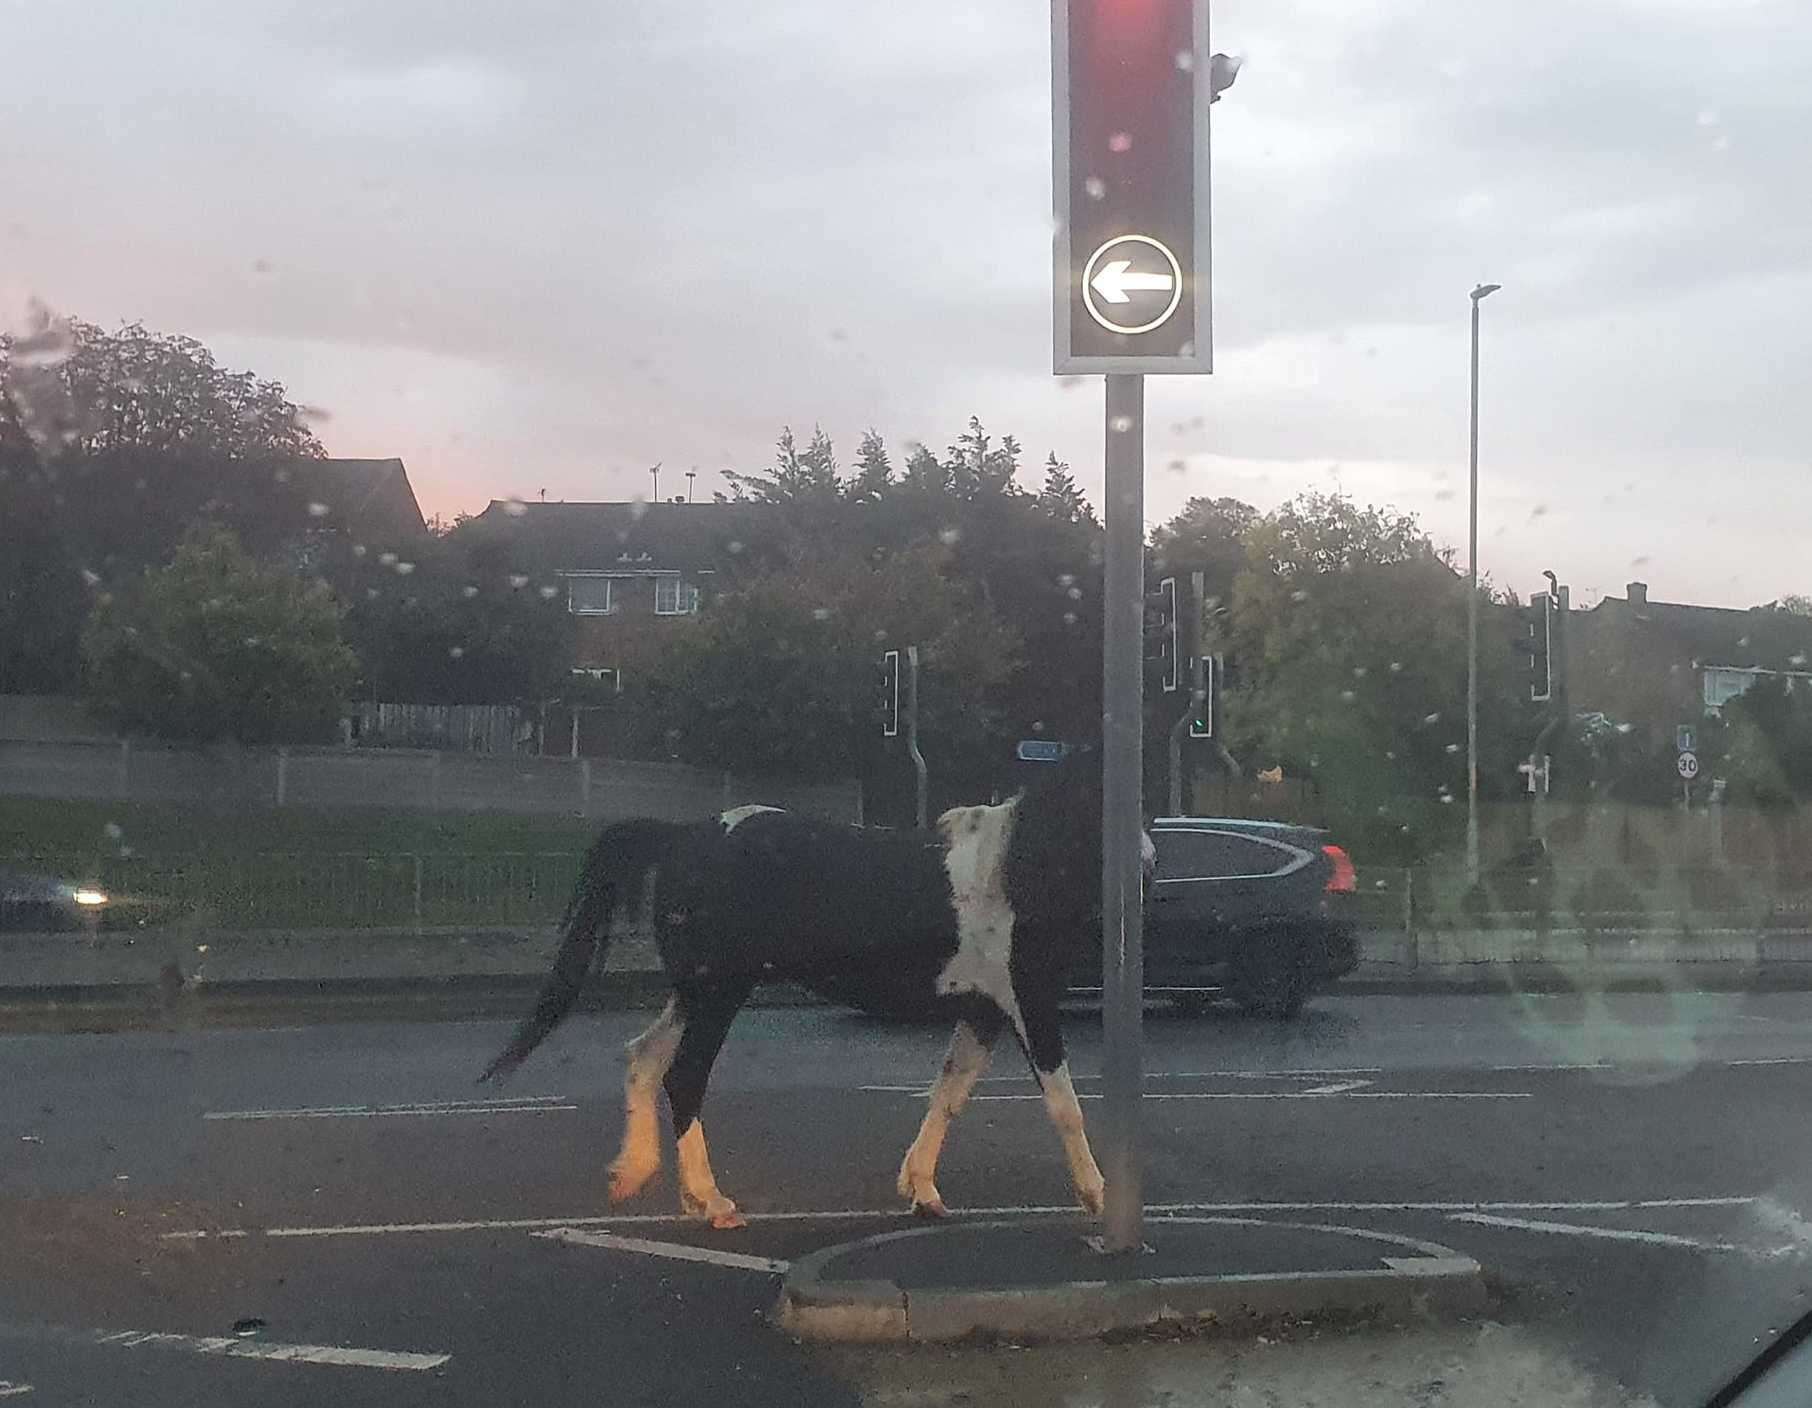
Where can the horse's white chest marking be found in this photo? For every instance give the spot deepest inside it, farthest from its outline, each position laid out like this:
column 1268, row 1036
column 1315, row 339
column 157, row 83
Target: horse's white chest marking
column 736, row 816
column 975, row 858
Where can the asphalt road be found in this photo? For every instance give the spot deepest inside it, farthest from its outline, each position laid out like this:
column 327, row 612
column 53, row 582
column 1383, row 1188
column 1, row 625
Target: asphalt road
column 1631, row 1171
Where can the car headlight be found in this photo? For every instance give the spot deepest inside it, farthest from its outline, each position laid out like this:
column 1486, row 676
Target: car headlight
column 88, row 898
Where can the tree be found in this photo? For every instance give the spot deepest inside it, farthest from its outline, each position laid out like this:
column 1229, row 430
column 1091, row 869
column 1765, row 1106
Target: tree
column 779, row 675
column 111, row 444
column 874, row 471
column 216, row 646
column 1060, row 497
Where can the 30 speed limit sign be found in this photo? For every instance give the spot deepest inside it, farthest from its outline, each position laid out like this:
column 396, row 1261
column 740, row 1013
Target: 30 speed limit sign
column 1688, row 766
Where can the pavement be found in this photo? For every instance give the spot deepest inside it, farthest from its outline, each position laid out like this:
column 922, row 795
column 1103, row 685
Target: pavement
column 279, row 1215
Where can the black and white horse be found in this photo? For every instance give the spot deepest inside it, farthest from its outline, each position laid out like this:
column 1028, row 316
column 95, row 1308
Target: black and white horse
column 986, row 914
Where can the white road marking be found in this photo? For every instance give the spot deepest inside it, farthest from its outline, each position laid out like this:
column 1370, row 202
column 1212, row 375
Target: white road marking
column 1609, row 1234
column 506, row 1105
column 1338, row 1087
column 1337, row 1093
column 9, row 1389
column 530, row 1224
column 672, row 1251
column 232, row 1347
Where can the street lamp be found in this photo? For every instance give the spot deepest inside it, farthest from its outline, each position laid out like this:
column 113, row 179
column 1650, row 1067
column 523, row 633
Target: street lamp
column 1478, row 294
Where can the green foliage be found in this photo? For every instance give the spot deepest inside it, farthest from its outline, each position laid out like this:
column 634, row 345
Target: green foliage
column 1769, row 758
column 214, row 646
column 779, row 675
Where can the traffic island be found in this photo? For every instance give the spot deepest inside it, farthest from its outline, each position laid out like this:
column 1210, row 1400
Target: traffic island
column 1041, row 1280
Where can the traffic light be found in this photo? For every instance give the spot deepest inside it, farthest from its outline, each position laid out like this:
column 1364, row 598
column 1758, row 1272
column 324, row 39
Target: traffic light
column 1163, row 628
column 1204, row 706
column 888, row 694
column 1538, row 645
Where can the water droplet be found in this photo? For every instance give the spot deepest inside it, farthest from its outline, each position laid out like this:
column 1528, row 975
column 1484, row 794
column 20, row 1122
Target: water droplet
column 1708, row 117
column 1120, row 142
column 1066, row 579
column 254, row 641
column 515, row 508
column 1069, row 618
column 1360, row 672
column 1447, row 799
column 1095, row 188
column 251, row 1325
column 314, row 415
column 387, row 559
column 1433, row 718
column 950, row 537
column 638, row 508
column 1299, row 595
column 1443, row 495
column 1186, row 349
column 403, row 569
column 1185, row 60
column 1798, row 662
column 113, row 831
column 317, row 509
column 1396, row 667
column 1626, row 728
column 1178, row 467
column 1539, row 511
column 261, row 266
column 735, row 547
column 1347, row 696
column 518, row 580
column 457, row 652
column 1075, row 593
column 468, row 591
column 371, row 593
column 1380, row 884
column 358, row 549
column 548, row 593
column 48, row 341
column 1120, row 424
column 1453, row 747
column 91, row 577
column 1639, row 561
column 821, row 613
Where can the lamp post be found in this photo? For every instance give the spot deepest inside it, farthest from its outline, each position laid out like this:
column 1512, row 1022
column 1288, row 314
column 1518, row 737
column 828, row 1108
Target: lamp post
column 1478, row 295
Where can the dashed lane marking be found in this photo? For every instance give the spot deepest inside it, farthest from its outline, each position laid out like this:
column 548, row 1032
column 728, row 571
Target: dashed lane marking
column 1336, row 1092
column 672, row 1251
column 512, row 1105
column 530, row 1224
column 231, row 1347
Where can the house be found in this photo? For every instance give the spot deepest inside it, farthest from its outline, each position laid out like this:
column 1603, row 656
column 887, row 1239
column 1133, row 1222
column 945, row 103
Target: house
column 627, row 571
column 1656, row 664
column 372, row 497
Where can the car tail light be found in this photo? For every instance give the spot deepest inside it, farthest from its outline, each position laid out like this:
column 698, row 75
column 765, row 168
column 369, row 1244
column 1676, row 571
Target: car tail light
column 1342, row 878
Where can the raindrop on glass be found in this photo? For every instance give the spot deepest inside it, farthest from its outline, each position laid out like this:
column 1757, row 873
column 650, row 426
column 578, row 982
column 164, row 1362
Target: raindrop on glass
column 314, row 415
column 821, row 613
column 548, row 593
column 1075, row 593
column 1433, row 718
column 950, row 537
column 317, row 509
column 1120, row 424
column 1095, row 188
column 1453, row 747
column 735, row 547
column 468, row 591
column 387, row 559
column 358, row 549
column 1066, row 579
column 1299, row 595
column 456, row 651
column 1347, row 696
column 1069, row 618
column 518, row 580
column 403, row 569
column 1120, row 142
column 113, row 831
column 91, row 577
column 514, row 507
column 1185, row 60
column 1177, row 467
column 1396, row 667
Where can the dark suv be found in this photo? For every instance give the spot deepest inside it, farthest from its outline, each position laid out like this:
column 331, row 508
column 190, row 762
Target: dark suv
column 1251, row 910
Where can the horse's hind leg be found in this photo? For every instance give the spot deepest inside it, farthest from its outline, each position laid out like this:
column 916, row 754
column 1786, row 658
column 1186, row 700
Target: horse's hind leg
column 1044, row 1047
column 706, row 1011
column 964, row 1063
column 650, row 1056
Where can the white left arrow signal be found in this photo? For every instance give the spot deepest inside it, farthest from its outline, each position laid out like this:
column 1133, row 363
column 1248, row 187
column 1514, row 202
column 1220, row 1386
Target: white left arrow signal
column 1116, row 278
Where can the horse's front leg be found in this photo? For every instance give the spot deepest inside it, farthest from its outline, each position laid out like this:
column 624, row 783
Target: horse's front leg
column 964, row 1063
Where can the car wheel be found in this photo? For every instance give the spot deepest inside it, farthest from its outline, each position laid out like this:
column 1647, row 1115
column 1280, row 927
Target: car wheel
column 1270, row 982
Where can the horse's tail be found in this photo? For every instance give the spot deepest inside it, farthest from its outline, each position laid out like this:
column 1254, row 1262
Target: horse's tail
column 615, row 873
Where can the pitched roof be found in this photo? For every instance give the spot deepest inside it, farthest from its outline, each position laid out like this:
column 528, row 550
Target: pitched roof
column 604, row 537
column 1761, row 637
column 374, row 497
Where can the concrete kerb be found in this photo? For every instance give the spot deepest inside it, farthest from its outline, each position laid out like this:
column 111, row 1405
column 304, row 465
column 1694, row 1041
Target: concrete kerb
column 814, row 1304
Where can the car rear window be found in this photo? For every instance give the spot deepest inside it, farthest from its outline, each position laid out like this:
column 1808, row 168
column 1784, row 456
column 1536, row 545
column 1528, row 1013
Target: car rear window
column 1199, row 855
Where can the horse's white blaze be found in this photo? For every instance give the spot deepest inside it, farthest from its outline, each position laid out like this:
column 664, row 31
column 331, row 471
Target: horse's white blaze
column 736, row 816
column 975, row 858
column 1066, row 1114
column 650, row 1054
column 964, row 1063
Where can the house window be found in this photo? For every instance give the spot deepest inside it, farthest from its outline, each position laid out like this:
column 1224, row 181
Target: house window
column 611, row 678
column 589, row 596
column 673, row 597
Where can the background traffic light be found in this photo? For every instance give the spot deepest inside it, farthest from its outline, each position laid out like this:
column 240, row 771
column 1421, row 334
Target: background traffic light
column 1202, row 710
column 1163, row 634
column 1537, row 644
column 887, row 698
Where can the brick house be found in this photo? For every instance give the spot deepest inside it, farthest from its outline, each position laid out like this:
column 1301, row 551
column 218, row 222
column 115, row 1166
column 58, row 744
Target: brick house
column 370, row 498
column 629, row 573
column 1656, row 664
